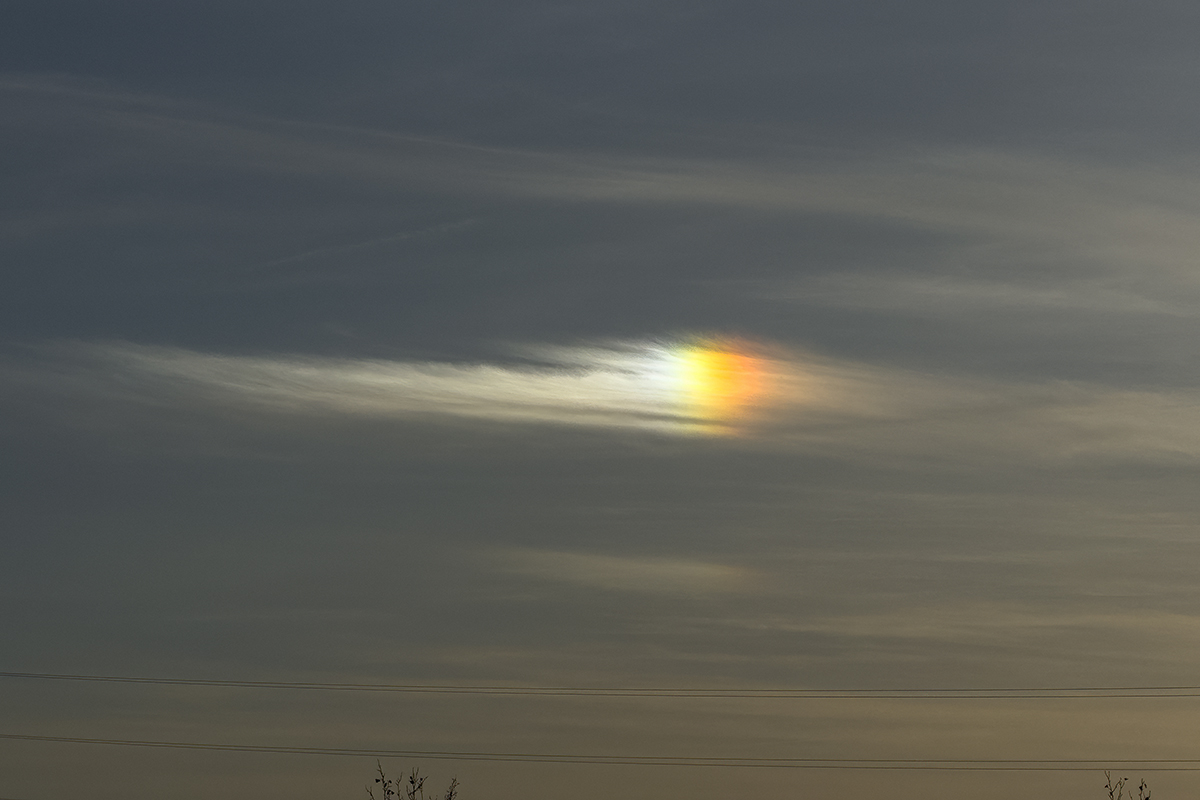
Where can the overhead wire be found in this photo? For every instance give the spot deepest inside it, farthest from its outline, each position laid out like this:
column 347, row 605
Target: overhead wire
column 960, row 765
column 931, row 693
column 992, row 765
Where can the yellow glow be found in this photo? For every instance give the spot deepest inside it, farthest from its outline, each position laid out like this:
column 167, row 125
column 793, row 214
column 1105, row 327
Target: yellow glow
column 720, row 381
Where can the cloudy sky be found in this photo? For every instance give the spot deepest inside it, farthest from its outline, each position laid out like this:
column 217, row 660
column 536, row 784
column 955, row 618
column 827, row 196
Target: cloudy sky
column 693, row 345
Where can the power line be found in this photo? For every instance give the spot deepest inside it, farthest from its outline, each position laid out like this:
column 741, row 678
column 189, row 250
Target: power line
column 1026, row 693
column 961, row 765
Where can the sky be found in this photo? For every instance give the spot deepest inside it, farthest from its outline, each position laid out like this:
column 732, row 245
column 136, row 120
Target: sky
column 693, row 345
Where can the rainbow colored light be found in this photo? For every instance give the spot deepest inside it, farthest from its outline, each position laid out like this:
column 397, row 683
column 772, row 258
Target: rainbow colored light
column 717, row 381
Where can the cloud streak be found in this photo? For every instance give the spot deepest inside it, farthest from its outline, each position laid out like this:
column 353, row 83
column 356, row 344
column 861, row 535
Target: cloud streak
column 683, row 388
column 1132, row 214
column 646, row 575
column 765, row 399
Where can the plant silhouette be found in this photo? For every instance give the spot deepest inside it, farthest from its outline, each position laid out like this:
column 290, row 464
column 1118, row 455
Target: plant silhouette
column 410, row 788
column 1116, row 789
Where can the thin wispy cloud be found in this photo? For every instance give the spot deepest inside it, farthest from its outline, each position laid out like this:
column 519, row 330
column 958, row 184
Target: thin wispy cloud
column 697, row 387
column 1129, row 231
column 644, row 575
column 340, row 250
column 766, row 399
column 686, row 387
column 1134, row 215
column 961, row 295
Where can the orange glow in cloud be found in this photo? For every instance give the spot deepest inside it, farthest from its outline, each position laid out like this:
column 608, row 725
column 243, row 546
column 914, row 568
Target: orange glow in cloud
column 720, row 381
